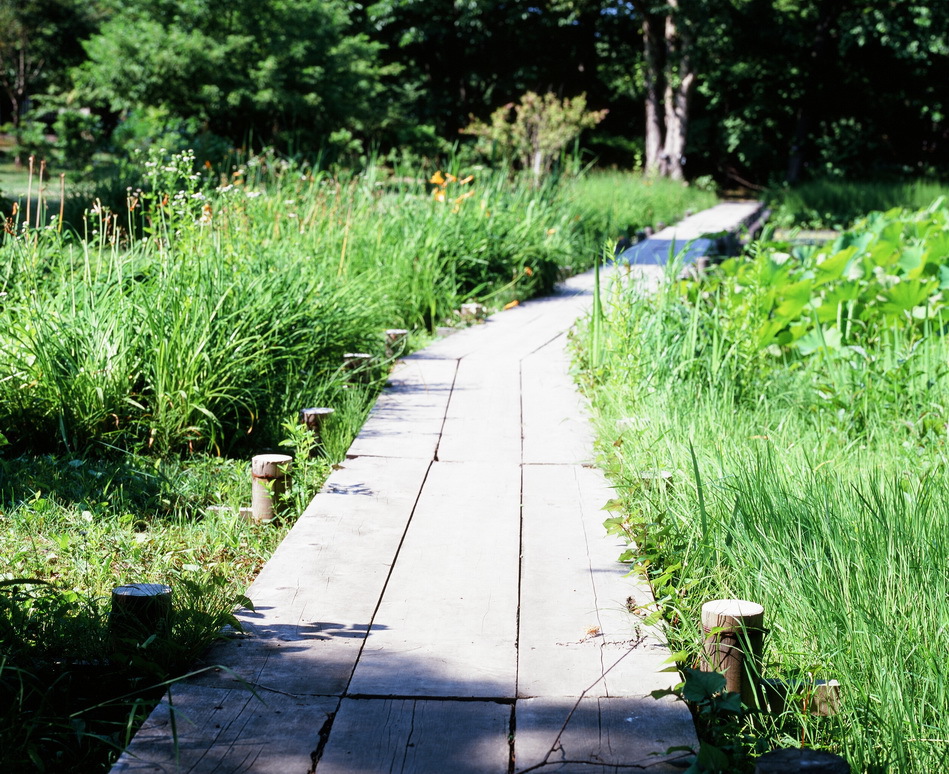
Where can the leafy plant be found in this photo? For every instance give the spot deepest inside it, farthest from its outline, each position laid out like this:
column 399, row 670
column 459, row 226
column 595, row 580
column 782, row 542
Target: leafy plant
column 536, row 129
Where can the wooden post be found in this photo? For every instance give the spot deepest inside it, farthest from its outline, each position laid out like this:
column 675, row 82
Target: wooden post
column 734, row 635
column 269, row 474
column 314, row 418
column 395, row 341
column 358, row 364
column 473, row 312
column 139, row 611
column 792, row 760
column 818, row 697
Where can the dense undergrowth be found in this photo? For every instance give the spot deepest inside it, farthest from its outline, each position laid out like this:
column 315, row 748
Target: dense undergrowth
column 798, row 399
column 150, row 346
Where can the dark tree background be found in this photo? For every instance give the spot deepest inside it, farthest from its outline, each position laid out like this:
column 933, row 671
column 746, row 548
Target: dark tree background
column 755, row 91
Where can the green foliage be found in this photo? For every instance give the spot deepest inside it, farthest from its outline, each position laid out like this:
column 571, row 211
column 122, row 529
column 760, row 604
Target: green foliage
column 281, row 71
column 838, row 204
column 535, row 131
column 619, row 205
column 796, row 399
column 203, row 317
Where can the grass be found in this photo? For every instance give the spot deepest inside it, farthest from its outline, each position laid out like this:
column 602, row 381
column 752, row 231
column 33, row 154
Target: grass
column 817, row 485
column 158, row 339
column 838, row 204
column 619, row 205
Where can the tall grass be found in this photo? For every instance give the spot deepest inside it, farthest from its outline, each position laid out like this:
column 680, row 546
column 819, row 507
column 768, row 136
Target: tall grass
column 838, row 204
column 807, row 474
column 619, row 204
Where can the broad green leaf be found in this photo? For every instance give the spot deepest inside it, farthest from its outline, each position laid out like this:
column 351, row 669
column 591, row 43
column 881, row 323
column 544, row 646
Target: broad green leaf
column 911, row 261
column 835, row 266
column 903, row 296
column 795, row 298
column 701, row 686
column 711, row 758
column 820, row 339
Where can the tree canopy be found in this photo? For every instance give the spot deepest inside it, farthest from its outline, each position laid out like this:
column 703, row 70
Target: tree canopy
column 749, row 90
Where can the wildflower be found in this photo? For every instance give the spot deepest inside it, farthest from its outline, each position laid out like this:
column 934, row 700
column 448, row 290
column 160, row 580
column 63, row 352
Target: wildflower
column 437, row 179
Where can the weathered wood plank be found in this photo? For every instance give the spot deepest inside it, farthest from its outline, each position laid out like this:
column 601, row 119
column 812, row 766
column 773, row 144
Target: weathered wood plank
column 447, row 622
column 370, row 736
column 556, row 426
column 229, row 731
column 483, row 420
column 574, row 619
column 603, row 736
column 315, row 598
column 406, row 420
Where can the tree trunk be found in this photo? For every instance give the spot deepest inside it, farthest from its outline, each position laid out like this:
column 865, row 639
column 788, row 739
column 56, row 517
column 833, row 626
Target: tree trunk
column 654, row 129
column 680, row 82
column 668, row 67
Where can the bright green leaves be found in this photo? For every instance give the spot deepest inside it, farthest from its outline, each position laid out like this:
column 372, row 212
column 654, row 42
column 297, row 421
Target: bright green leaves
column 890, row 276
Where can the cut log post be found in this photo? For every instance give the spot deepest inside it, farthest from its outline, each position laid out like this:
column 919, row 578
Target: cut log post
column 270, row 480
column 734, row 635
column 473, row 312
column 655, row 479
column 792, row 760
column 817, row 697
column 314, row 419
column 358, row 365
column 139, row 611
column 395, row 341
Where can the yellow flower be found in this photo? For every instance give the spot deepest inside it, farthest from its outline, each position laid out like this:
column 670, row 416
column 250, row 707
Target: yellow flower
column 439, row 194
column 437, row 179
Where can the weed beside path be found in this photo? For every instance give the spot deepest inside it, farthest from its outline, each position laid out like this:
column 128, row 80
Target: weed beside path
column 810, row 385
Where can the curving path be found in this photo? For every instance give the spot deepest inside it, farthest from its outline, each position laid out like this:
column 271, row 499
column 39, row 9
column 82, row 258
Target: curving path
column 449, row 602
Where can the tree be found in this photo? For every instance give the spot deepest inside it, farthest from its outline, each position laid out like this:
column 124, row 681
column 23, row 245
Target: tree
column 667, row 48
column 270, row 71
column 39, row 42
column 537, row 129
column 466, row 57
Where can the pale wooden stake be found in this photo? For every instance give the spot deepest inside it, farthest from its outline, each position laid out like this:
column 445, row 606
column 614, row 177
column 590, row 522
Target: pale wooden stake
column 734, row 630
column 473, row 312
column 821, row 696
column 792, row 760
column 359, row 365
column 139, row 611
column 314, row 418
column 395, row 340
column 270, row 480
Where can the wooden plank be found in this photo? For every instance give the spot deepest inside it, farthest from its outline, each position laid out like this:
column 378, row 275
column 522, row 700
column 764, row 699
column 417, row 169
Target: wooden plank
column 406, row 420
column 315, row 598
column 574, row 621
column 517, row 332
column 483, row 421
column 556, row 426
column 450, row 609
column 402, row 736
column 602, row 736
column 232, row 731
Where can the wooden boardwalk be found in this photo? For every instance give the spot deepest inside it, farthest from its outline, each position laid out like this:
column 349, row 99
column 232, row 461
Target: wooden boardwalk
column 449, row 602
